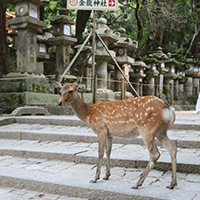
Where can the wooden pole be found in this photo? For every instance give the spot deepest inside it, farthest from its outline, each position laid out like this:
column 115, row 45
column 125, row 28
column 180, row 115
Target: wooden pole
column 93, row 58
column 122, row 89
column 95, row 89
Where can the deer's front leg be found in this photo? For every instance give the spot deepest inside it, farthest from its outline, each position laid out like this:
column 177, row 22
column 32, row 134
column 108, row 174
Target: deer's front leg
column 101, row 141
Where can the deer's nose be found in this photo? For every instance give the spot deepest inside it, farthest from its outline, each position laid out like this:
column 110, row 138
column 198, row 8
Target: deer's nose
column 60, row 103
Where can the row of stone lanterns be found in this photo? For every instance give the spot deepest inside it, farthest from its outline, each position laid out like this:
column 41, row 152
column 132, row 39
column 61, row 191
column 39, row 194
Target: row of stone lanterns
column 158, row 69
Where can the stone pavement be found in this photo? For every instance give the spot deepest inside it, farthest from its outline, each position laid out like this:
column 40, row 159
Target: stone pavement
column 55, row 157
column 16, row 194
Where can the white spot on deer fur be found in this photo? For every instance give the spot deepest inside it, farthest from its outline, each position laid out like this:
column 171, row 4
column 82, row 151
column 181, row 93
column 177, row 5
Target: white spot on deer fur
column 145, row 113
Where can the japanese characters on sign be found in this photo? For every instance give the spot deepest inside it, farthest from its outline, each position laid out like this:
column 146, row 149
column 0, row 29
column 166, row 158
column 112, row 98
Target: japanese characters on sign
column 92, row 4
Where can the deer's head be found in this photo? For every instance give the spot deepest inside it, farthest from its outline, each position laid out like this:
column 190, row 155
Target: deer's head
column 68, row 92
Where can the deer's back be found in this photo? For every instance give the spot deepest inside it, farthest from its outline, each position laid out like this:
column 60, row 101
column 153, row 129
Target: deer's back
column 128, row 118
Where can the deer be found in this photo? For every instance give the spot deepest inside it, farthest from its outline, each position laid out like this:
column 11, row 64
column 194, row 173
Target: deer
column 148, row 116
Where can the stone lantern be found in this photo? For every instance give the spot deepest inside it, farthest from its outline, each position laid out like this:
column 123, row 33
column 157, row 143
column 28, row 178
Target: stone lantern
column 27, row 23
column 42, row 53
column 151, row 75
column 25, row 86
column 190, row 73
column 169, row 78
column 162, row 57
column 138, row 74
column 121, row 47
column 196, row 78
column 102, row 58
column 63, row 39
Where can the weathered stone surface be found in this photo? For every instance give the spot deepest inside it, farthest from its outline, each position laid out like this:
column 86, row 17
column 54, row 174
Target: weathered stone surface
column 30, row 110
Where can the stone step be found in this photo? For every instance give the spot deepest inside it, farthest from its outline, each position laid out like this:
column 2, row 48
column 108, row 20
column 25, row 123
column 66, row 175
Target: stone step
column 184, row 123
column 71, row 179
column 181, row 138
column 188, row 160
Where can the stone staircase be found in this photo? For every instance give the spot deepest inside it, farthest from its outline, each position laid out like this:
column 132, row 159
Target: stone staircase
column 57, row 155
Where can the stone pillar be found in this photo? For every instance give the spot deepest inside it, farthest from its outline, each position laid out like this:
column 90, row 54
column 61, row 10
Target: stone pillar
column 151, row 86
column 118, row 77
column 189, row 86
column 101, row 72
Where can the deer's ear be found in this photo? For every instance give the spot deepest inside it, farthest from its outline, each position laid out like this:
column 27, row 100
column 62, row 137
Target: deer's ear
column 78, row 81
column 57, row 84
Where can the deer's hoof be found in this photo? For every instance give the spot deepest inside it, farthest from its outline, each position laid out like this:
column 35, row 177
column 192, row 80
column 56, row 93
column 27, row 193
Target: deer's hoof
column 172, row 186
column 105, row 178
column 134, row 187
column 92, row 181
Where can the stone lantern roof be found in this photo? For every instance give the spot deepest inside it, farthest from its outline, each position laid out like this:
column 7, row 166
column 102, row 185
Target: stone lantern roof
column 44, row 2
column 160, row 55
column 139, row 64
column 62, row 18
column 138, row 67
column 124, row 42
column 193, row 68
column 105, row 32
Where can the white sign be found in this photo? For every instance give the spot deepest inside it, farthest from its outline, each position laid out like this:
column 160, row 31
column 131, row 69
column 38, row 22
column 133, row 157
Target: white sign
column 33, row 11
column 42, row 48
column 92, row 4
column 67, row 30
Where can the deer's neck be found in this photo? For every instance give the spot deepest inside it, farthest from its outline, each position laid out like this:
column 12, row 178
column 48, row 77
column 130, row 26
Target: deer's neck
column 81, row 109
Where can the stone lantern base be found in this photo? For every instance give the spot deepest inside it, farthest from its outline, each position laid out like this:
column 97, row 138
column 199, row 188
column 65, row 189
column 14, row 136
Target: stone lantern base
column 105, row 95
column 25, row 90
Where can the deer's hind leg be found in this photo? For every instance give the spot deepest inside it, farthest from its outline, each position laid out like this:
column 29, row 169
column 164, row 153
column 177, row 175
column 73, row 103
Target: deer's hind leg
column 108, row 151
column 169, row 145
column 154, row 156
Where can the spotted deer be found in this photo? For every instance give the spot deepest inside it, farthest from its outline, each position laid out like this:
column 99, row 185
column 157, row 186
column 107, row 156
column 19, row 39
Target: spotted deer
column 147, row 116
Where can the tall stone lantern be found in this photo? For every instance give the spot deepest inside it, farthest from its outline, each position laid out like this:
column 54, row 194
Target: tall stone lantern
column 63, row 39
column 151, row 75
column 162, row 57
column 196, row 77
column 138, row 74
column 27, row 23
column 25, row 86
column 190, row 73
column 102, row 58
column 121, row 47
column 169, row 78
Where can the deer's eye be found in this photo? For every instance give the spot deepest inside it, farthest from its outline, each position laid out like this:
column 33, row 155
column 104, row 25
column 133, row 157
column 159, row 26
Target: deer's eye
column 59, row 93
